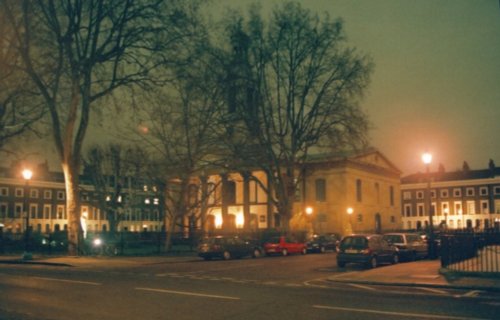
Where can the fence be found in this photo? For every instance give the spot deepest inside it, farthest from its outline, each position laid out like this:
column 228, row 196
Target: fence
column 470, row 251
column 101, row 243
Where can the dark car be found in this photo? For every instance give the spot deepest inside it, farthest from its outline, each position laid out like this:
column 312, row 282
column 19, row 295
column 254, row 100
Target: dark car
column 322, row 243
column 227, row 248
column 410, row 245
column 370, row 250
column 284, row 246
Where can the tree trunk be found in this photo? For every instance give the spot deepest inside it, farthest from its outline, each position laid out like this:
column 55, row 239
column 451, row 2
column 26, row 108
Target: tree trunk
column 75, row 233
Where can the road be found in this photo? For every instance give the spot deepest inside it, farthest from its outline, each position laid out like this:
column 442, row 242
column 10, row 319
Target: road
column 294, row 287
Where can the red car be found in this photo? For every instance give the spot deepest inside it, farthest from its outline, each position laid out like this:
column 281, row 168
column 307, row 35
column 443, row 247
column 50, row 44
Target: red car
column 284, row 246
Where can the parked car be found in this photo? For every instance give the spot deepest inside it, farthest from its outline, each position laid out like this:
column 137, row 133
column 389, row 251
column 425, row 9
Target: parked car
column 322, row 243
column 410, row 245
column 367, row 249
column 284, row 245
column 227, row 248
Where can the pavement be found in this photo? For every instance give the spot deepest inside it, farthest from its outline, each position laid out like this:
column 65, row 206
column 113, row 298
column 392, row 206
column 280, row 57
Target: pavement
column 423, row 273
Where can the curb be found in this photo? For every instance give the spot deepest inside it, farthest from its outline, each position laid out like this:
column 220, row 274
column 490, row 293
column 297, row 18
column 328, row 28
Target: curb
column 418, row 284
column 56, row 264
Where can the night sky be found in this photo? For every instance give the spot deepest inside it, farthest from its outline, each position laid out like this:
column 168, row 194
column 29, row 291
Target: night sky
column 436, row 81
column 436, row 84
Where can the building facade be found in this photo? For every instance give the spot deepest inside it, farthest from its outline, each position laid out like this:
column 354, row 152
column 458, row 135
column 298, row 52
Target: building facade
column 459, row 200
column 366, row 182
column 43, row 198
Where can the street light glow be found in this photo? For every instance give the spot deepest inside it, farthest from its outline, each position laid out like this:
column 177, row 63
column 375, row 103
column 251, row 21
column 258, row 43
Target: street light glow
column 27, row 174
column 350, row 211
column 427, row 158
column 309, row 211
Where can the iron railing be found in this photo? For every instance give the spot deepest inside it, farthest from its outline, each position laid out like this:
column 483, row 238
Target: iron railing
column 470, row 251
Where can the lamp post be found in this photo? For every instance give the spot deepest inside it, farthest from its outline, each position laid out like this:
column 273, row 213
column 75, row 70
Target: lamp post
column 427, row 159
column 27, row 174
column 349, row 213
column 309, row 221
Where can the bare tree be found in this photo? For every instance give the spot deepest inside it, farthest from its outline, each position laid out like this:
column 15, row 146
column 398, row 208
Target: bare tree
column 116, row 173
column 19, row 106
column 292, row 85
column 77, row 52
column 177, row 127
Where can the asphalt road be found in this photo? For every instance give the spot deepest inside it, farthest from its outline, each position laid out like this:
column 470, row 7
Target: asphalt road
column 292, row 287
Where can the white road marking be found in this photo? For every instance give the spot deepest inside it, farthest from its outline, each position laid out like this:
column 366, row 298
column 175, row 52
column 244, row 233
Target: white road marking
column 69, row 281
column 399, row 314
column 473, row 293
column 433, row 290
column 361, row 286
column 424, row 276
column 186, row 293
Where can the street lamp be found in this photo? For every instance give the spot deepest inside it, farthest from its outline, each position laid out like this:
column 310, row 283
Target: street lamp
column 427, row 159
column 27, row 174
column 349, row 213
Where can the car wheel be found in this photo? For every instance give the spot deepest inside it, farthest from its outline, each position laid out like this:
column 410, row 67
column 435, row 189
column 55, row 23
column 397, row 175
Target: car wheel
column 284, row 252
column 373, row 263
column 322, row 250
column 304, row 251
column 226, row 255
column 256, row 253
column 395, row 259
column 340, row 264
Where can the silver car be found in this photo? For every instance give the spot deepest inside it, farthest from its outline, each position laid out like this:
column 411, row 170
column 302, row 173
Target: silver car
column 410, row 245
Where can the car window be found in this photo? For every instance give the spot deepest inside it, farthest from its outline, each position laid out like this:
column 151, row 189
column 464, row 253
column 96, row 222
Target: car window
column 413, row 238
column 274, row 240
column 394, row 238
column 354, row 242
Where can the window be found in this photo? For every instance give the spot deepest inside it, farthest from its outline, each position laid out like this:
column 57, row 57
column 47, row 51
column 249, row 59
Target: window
column 445, row 209
column 18, row 210
column 85, row 197
column 60, row 212
column 60, row 195
column 483, row 191
column 407, row 210
column 320, row 190
column 33, row 211
column 359, row 194
column 433, row 194
column 3, row 210
column 360, row 217
column 457, row 192
column 377, row 192
column 469, row 192
column 458, row 207
column 485, row 207
column 393, row 219
column 34, row 193
column 420, row 209
column 497, row 190
column 391, row 195
column 443, row 193
column 19, row 192
column 4, row 191
column 420, row 194
column 47, row 194
column 471, row 207
column 407, row 195
column 46, row 211
column 433, row 208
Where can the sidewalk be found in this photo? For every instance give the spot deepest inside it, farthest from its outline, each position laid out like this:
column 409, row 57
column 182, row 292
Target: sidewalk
column 425, row 273
column 102, row 262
